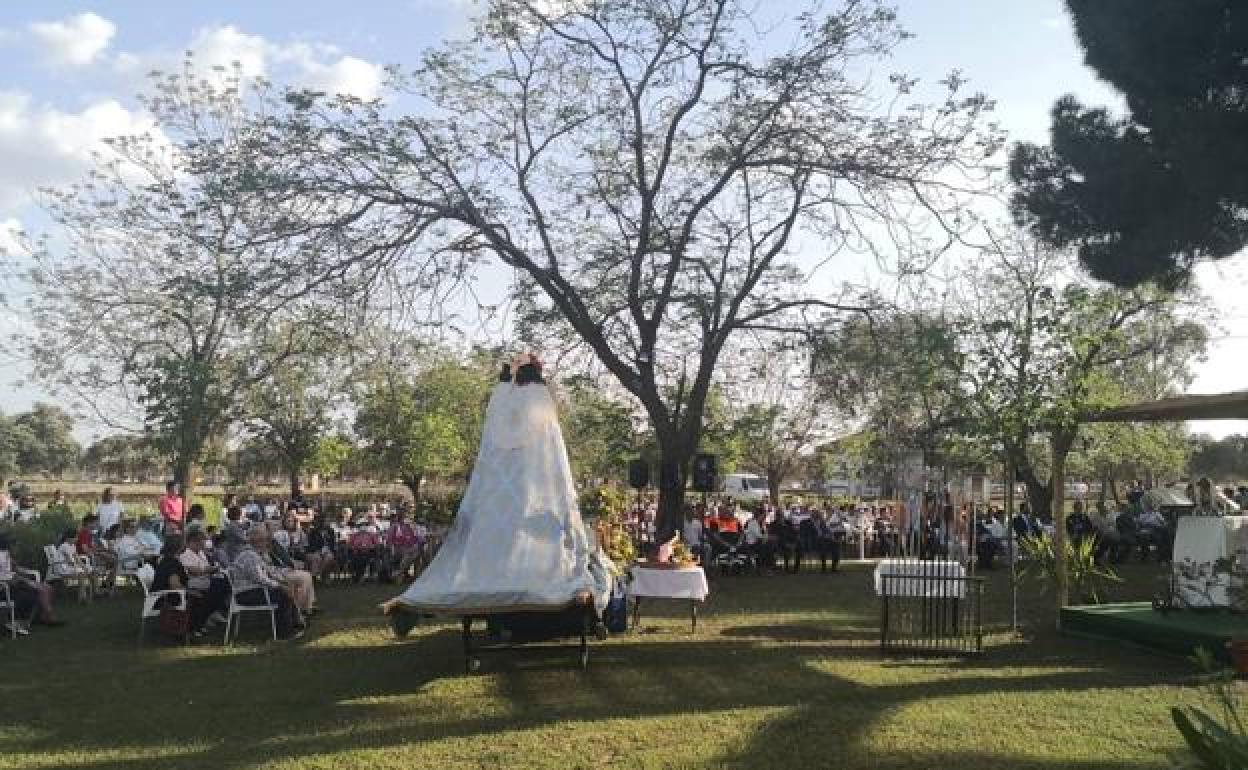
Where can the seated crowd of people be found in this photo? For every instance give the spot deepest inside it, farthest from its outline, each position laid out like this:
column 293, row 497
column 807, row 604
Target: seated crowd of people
column 262, row 553
column 764, row 537
column 770, row 538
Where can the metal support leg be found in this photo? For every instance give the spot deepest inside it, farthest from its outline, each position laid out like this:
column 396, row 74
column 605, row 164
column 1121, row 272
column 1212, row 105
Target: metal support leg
column 467, row 627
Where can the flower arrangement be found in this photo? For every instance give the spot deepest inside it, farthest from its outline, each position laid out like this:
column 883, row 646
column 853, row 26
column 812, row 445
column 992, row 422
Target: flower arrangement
column 680, row 552
column 607, row 510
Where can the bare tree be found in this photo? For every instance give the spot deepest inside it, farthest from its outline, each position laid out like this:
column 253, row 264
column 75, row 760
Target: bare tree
column 648, row 168
column 779, row 417
column 163, row 288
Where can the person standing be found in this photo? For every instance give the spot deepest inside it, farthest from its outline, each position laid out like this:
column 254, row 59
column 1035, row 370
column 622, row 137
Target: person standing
column 831, row 530
column 754, row 536
column 171, row 510
column 109, row 510
column 692, row 534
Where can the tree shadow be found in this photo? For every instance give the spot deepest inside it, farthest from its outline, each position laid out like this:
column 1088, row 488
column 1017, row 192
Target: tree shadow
column 239, row 708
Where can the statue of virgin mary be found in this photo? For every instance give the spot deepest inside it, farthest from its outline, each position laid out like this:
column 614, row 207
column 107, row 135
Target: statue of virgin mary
column 518, row 541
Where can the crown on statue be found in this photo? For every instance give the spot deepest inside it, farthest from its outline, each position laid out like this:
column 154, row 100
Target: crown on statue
column 524, row 359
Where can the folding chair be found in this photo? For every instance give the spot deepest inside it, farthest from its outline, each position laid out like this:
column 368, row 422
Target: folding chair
column 7, row 603
column 151, row 599
column 237, row 608
column 66, row 570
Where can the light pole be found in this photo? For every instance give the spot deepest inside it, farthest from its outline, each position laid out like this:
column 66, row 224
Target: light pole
column 1010, row 473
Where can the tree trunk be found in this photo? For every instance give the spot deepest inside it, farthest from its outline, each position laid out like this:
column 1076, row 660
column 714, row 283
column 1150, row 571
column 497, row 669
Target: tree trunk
column 293, row 474
column 413, row 484
column 773, row 487
column 1039, row 494
column 674, row 461
column 1061, row 443
column 184, row 474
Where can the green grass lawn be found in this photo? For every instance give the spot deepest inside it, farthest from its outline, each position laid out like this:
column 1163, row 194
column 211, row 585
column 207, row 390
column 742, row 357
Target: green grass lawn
column 783, row 672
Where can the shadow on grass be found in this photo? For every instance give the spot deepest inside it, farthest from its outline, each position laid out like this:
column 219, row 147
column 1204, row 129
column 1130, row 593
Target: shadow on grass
column 625, row 680
column 821, row 685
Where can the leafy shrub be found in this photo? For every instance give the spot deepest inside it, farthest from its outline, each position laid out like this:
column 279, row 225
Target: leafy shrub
column 603, row 500
column 27, row 539
column 1085, row 575
column 1216, row 744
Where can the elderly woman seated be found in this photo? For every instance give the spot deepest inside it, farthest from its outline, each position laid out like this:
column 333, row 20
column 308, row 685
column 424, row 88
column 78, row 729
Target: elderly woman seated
column 33, row 598
column 70, row 567
column 209, row 591
column 364, row 551
column 130, row 552
column 253, row 575
column 292, row 572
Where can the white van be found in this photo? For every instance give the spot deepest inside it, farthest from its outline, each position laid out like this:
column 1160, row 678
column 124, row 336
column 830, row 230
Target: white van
column 745, row 487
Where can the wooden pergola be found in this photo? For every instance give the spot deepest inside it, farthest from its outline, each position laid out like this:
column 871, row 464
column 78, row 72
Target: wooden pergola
column 1217, row 406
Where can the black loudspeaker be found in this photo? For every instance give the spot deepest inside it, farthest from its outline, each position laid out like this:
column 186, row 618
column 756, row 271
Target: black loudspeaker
column 638, row 474
column 704, row 472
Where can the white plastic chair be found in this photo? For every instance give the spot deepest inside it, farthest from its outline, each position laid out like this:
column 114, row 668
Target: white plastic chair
column 129, row 567
column 8, row 603
column 237, row 608
column 151, row 599
column 68, row 571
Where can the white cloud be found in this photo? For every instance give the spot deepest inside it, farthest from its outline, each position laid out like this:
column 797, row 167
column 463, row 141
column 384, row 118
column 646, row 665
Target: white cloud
column 10, row 242
column 319, row 66
column 75, row 41
column 45, row 145
column 42, row 146
column 323, row 68
column 226, row 46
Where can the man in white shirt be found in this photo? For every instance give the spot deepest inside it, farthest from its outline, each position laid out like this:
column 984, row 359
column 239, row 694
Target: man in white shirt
column 109, row 511
column 754, row 537
column 1108, row 538
column 128, row 548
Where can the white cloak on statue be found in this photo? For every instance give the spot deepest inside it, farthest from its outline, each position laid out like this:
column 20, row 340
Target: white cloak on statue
column 518, row 542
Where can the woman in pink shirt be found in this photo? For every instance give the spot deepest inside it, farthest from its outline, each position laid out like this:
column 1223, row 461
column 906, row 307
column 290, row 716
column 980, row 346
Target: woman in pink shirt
column 171, row 508
column 405, row 544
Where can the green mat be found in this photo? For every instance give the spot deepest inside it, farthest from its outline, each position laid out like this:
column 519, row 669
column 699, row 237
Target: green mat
column 1178, row 631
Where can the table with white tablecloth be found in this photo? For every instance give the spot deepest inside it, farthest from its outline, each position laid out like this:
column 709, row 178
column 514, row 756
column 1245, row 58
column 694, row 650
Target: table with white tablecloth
column 913, row 577
column 664, row 583
column 1200, row 543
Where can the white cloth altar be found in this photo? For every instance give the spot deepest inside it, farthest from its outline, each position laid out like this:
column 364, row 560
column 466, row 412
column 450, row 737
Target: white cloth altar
column 1200, row 543
column 932, row 579
column 683, row 583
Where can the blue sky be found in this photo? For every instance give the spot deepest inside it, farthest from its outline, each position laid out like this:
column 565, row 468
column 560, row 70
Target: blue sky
column 70, row 70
